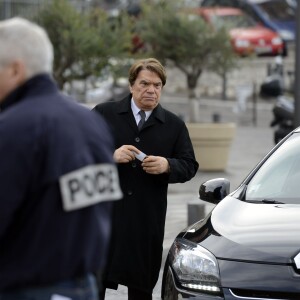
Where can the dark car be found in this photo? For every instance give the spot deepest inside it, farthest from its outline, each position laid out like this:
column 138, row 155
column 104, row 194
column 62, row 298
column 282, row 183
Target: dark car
column 248, row 246
column 278, row 15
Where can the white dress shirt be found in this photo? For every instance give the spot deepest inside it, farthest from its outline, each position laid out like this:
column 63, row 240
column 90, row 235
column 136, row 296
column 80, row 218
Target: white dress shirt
column 136, row 110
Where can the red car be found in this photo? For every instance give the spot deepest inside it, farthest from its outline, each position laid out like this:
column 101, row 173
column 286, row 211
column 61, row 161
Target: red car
column 247, row 36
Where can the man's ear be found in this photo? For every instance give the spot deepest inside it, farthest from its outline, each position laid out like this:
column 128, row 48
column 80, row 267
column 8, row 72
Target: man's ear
column 18, row 72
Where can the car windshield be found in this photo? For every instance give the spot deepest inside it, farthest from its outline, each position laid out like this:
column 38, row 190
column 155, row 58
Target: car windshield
column 278, row 10
column 232, row 21
column 278, row 179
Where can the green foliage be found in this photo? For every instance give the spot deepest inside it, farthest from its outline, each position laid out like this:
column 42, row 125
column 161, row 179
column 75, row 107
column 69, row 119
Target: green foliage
column 114, row 31
column 86, row 43
column 224, row 58
column 83, row 43
column 185, row 39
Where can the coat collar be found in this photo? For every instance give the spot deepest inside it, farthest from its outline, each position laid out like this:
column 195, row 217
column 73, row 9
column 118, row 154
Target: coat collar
column 158, row 114
column 37, row 85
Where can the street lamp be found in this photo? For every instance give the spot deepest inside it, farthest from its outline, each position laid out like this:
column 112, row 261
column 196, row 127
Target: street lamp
column 297, row 69
column 7, row 9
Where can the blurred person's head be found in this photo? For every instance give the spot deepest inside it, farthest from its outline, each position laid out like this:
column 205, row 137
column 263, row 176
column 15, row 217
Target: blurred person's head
column 146, row 79
column 25, row 51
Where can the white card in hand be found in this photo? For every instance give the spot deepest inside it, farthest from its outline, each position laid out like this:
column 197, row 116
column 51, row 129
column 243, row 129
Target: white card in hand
column 59, row 297
column 140, row 156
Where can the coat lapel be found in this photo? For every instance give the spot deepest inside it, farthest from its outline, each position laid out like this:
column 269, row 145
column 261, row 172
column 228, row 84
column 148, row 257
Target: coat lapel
column 124, row 110
column 157, row 116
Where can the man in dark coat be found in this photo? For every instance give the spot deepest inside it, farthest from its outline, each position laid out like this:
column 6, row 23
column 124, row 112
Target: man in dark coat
column 148, row 160
column 57, row 174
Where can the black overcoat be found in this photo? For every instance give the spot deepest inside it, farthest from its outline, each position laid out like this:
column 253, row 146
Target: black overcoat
column 139, row 221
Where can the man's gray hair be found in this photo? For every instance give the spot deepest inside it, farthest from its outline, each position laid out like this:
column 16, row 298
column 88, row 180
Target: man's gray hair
column 24, row 40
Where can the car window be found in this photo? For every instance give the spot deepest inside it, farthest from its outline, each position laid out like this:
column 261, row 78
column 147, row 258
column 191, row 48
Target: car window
column 279, row 177
column 231, row 3
column 232, row 21
column 209, row 3
column 249, row 10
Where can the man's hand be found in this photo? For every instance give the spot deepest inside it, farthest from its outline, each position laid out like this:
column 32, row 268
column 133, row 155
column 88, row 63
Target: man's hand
column 155, row 165
column 125, row 154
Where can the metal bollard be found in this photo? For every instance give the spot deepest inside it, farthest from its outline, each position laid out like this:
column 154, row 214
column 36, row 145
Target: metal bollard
column 196, row 212
column 216, row 118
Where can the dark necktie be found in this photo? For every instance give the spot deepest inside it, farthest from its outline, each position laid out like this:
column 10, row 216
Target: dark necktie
column 143, row 118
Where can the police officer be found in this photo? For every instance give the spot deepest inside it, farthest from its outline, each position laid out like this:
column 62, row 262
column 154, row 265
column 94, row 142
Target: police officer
column 56, row 177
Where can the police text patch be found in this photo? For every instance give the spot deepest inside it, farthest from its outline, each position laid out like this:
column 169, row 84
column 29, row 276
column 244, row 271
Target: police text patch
column 90, row 185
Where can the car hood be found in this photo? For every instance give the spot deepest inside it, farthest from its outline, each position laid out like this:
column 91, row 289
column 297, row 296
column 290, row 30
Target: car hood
column 252, row 33
column 238, row 230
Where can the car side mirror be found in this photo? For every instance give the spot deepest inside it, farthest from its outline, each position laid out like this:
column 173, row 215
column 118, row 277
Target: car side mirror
column 214, row 190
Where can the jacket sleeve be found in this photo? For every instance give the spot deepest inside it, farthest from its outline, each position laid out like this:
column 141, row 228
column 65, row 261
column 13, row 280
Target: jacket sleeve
column 183, row 164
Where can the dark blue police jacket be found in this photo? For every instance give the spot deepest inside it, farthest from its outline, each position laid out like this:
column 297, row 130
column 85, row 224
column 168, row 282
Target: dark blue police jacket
column 56, row 175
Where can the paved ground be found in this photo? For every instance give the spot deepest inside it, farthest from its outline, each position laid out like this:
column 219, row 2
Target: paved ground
column 252, row 141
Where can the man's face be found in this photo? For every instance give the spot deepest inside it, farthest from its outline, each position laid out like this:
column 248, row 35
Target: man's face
column 4, row 82
column 146, row 90
column 11, row 76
